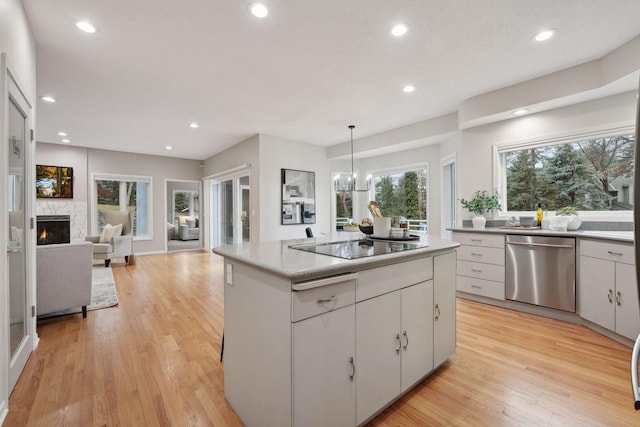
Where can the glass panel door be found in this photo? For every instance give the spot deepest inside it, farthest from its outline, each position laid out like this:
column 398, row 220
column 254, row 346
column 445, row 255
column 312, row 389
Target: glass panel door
column 20, row 319
column 226, row 212
column 245, row 211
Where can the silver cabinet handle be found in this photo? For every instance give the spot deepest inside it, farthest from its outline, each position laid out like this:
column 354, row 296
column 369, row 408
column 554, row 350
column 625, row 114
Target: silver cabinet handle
column 399, row 343
column 353, row 369
column 325, row 300
column 615, row 253
column 544, row 245
column 610, row 295
column 476, row 240
column 474, row 254
column 476, row 287
column 475, row 270
column 618, row 298
column 404, row 333
column 438, row 311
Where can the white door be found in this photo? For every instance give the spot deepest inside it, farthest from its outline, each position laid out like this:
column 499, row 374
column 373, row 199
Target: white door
column 627, row 312
column 231, row 211
column 17, row 145
column 378, row 348
column 444, row 307
column 417, row 332
column 324, row 369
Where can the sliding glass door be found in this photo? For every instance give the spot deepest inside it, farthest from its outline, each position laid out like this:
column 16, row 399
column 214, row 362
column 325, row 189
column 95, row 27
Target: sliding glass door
column 230, row 209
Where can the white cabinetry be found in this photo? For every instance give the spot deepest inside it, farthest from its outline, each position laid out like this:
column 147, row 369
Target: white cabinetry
column 608, row 294
column 444, row 307
column 324, row 391
column 480, row 264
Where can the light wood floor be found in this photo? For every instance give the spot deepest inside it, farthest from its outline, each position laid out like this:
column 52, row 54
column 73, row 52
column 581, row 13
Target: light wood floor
column 154, row 361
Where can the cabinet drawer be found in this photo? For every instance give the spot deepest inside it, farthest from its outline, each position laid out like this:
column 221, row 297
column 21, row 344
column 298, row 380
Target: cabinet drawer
column 320, row 300
column 382, row 280
column 481, row 271
column 481, row 254
column 485, row 288
column 479, row 239
column 610, row 251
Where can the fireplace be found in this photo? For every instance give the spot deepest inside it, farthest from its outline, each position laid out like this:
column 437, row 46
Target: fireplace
column 53, row 229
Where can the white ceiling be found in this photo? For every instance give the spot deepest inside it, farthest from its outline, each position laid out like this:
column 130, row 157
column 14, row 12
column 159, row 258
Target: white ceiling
column 304, row 73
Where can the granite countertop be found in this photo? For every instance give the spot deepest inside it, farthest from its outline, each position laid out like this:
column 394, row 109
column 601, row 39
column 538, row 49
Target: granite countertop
column 277, row 258
column 620, row 236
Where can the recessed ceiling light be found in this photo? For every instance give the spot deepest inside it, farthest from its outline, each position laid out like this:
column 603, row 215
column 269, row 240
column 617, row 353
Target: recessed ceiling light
column 399, row 30
column 545, row 35
column 168, row 147
column 258, row 10
column 193, row 125
column 85, row 26
column 520, row 112
column 66, row 141
column 48, row 98
column 408, row 88
column 62, row 134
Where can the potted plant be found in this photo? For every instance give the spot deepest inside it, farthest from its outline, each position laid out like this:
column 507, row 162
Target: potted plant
column 574, row 222
column 479, row 205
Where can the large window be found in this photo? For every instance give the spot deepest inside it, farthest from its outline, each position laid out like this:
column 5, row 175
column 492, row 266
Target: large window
column 403, row 194
column 344, row 205
column 589, row 173
column 119, row 193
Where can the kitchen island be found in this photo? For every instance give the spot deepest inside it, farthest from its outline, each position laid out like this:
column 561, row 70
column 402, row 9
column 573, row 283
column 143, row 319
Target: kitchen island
column 312, row 339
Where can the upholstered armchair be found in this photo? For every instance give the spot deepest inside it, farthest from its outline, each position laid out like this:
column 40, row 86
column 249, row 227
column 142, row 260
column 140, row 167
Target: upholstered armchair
column 116, row 239
column 189, row 228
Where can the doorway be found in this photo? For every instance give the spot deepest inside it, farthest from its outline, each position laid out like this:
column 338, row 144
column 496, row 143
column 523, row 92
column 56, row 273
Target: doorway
column 448, row 202
column 230, row 201
column 183, row 207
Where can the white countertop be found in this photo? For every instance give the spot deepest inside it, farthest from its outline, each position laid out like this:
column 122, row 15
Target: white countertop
column 620, row 236
column 276, row 257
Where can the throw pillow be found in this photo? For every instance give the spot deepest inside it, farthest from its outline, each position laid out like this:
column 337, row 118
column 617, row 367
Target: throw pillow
column 107, row 234
column 117, row 230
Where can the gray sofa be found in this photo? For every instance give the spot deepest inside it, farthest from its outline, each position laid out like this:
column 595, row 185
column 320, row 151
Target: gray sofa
column 64, row 277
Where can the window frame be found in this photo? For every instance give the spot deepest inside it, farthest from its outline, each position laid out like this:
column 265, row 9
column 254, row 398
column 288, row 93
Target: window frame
column 128, row 178
column 500, row 176
column 404, row 169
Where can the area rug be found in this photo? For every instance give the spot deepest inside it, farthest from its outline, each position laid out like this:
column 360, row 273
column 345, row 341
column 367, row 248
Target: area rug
column 103, row 292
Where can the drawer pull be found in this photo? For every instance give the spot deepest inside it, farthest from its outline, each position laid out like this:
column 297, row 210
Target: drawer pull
column 476, row 240
column 353, row 369
column 326, row 300
column 404, row 333
column 475, row 270
column 610, row 295
column 438, row 311
column 476, row 287
column 618, row 298
column 399, row 343
column 474, row 254
column 615, row 253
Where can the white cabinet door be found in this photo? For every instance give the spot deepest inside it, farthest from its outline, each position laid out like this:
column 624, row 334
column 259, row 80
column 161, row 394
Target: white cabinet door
column 627, row 308
column 417, row 333
column 324, row 369
column 377, row 353
column 597, row 291
column 444, row 311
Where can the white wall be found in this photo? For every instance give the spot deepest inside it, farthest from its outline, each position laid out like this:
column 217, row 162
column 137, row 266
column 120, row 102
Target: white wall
column 277, row 154
column 475, row 159
column 18, row 43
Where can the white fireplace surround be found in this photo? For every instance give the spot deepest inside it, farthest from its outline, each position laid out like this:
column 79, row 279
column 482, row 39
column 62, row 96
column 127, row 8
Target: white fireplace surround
column 77, row 212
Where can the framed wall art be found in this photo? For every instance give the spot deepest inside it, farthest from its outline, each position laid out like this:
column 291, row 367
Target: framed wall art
column 54, row 182
column 298, row 197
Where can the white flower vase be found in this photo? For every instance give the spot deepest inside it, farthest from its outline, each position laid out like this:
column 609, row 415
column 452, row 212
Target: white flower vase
column 478, row 222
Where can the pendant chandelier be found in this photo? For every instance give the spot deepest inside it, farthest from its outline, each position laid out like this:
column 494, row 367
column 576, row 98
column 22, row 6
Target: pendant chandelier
column 349, row 183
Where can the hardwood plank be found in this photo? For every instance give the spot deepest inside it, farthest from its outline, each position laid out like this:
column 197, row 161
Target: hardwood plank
column 154, row 360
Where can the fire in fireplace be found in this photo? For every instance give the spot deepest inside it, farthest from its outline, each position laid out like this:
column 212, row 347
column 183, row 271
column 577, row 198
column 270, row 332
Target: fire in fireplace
column 53, row 229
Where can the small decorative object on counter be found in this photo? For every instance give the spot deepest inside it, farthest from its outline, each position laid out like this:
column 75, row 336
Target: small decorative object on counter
column 539, row 215
column 574, row 221
column 479, row 205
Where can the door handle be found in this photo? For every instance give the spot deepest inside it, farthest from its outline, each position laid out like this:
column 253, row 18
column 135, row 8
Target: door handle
column 610, row 295
column 353, row 369
column 618, row 298
column 14, row 250
column 437, row 311
column 399, row 343
column 404, row 333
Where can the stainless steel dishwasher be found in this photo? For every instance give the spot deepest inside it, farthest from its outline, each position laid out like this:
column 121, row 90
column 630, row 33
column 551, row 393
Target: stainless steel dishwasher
column 541, row 270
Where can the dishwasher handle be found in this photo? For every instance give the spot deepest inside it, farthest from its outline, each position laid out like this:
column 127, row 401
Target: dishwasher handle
column 545, row 245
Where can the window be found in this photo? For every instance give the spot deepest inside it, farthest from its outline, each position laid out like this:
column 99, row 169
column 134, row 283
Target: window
column 591, row 173
column 131, row 193
column 403, row 194
column 344, row 205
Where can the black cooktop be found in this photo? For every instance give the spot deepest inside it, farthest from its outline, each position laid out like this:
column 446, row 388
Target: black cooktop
column 358, row 248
